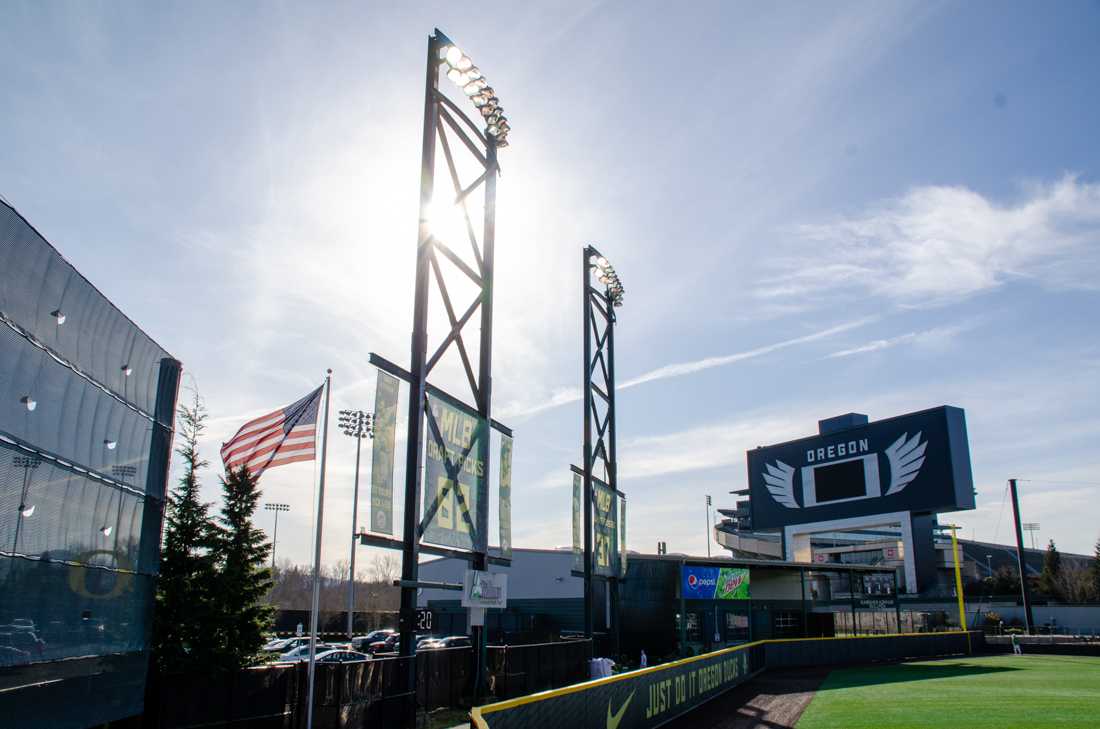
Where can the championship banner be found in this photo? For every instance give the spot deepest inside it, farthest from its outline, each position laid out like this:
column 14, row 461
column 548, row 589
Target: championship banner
column 714, row 583
column 578, row 524
column 381, row 470
column 454, row 476
column 605, row 528
column 642, row 699
column 622, row 538
column 504, row 511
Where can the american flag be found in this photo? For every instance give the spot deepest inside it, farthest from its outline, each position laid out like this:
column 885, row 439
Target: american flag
column 287, row 435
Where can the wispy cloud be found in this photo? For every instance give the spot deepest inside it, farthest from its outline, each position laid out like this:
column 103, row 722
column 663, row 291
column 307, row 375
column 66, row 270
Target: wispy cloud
column 680, row 369
column 937, row 244
column 935, row 337
column 687, row 368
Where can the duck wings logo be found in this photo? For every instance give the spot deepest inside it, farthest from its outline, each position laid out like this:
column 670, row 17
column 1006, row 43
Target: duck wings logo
column 904, row 458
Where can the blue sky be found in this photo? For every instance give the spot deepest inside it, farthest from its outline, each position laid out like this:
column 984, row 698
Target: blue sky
column 816, row 208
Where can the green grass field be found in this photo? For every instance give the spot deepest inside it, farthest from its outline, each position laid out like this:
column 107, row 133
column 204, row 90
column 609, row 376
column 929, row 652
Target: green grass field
column 996, row 692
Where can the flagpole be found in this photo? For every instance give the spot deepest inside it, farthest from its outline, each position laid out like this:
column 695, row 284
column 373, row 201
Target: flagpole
column 317, row 561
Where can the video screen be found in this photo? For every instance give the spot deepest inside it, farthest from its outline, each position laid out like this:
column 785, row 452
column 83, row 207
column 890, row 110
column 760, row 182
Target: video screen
column 839, row 481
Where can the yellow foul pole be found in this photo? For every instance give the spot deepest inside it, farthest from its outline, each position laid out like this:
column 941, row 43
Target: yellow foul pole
column 959, row 585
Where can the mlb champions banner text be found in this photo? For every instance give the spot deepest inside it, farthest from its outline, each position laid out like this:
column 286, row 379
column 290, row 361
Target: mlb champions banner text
column 642, row 699
column 454, row 477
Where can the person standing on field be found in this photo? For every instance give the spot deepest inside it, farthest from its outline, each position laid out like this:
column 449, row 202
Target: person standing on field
column 1016, row 645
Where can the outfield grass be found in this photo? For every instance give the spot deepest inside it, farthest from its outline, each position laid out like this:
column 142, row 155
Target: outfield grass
column 996, row 692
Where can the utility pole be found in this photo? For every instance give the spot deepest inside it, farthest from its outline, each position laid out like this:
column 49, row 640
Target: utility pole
column 1020, row 559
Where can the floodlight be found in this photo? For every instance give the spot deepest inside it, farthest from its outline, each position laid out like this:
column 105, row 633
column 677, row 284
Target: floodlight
column 455, row 75
column 474, row 73
column 454, row 55
column 106, row 530
column 59, row 316
column 127, row 370
column 27, row 511
column 29, row 402
column 464, row 63
column 110, row 444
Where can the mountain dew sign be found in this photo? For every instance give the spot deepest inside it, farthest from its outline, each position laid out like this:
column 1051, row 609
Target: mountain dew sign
column 715, row 583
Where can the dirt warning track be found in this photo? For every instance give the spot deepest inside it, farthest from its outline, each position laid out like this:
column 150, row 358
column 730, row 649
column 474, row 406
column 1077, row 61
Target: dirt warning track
column 771, row 701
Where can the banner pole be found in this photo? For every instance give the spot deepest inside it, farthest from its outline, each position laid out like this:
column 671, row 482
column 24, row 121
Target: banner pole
column 315, row 606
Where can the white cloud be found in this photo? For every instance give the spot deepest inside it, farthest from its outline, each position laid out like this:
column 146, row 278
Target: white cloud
column 936, row 337
column 679, row 369
column 938, row 244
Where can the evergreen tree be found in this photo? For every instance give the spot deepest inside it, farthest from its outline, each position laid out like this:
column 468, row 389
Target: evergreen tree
column 183, row 620
column 244, row 578
column 1052, row 570
column 1094, row 568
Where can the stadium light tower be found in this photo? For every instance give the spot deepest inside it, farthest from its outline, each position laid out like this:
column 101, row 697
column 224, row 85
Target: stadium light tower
column 1031, row 527
column 603, row 293
column 447, row 127
column 275, row 533
column 354, row 424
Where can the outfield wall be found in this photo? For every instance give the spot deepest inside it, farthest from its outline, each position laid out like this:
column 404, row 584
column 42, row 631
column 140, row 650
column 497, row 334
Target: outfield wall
column 651, row 697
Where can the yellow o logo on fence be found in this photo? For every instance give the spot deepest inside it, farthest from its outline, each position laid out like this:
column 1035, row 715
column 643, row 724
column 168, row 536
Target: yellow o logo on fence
column 78, row 576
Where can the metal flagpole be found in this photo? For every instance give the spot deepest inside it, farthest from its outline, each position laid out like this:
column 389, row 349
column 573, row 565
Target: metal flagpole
column 315, row 606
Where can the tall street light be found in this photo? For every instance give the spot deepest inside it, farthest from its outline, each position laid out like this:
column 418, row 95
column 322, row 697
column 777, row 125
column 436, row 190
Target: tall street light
column 355, row 424
column 603, row 293
column 275, row 534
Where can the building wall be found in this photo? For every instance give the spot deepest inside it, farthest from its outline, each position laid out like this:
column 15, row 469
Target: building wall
column 82, row 483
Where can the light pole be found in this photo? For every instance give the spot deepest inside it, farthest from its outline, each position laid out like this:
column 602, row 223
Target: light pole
column 1021, row 556
column 600, row 302
column 1031, row 527
column 989, row 565
column 708, row 526
column 275, row 533
column 445, row 125
column 355, row 424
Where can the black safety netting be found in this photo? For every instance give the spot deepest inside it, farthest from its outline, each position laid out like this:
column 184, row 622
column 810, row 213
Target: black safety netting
column 43, row 294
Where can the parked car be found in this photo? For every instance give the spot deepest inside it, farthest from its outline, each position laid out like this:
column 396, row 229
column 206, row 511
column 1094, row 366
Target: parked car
column 363, row 642
column 387, row 645
column 454, row 641
column 288, row 644
column 277, row 645
column 301, row 653
column 339, row 656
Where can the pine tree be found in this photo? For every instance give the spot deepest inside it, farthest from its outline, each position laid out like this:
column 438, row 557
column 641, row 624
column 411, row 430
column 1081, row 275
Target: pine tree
column 183, row 621
column 244, row 578
column 1052, row 570
column 1094, row 568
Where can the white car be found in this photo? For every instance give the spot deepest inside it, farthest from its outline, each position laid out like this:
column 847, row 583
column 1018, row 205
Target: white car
column 301, row 653
column 340, row 656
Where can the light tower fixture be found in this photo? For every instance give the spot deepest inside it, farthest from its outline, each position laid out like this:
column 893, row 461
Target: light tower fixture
column 462, row 72
column 359, row 425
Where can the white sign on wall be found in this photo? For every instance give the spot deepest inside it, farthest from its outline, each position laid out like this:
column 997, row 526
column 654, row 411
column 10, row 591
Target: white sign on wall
column 484, row 589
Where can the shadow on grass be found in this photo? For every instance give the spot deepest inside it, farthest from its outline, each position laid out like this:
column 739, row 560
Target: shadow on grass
column 843, row 678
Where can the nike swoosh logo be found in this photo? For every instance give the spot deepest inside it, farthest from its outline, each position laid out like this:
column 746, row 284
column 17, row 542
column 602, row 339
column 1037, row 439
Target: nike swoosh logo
column 614, row 719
